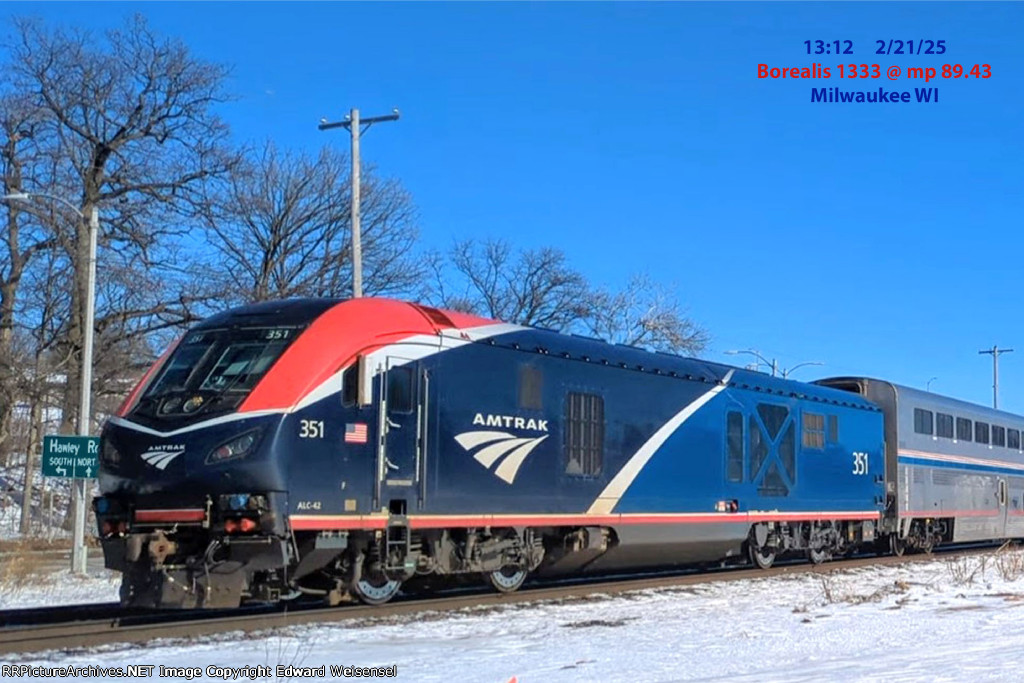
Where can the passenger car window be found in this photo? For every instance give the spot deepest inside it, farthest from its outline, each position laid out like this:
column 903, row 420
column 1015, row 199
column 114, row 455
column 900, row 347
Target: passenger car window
column 923, row 421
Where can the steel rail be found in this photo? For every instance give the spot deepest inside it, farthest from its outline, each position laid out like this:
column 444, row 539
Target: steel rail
column 146, row 626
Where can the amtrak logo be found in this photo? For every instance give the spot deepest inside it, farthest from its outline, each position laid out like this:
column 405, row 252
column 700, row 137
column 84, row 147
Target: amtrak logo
column 509, row 449
column 510, row 422
column 161, row 456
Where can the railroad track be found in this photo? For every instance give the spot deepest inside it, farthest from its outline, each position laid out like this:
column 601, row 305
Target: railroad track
column 20, row 635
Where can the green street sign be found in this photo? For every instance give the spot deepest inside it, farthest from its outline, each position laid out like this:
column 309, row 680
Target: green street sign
column 71, row 457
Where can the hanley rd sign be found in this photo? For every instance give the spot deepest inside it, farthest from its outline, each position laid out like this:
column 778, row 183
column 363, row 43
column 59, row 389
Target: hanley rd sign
column 71, row 457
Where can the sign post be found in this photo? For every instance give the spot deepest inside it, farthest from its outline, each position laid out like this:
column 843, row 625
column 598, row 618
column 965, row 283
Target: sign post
column 76, row 458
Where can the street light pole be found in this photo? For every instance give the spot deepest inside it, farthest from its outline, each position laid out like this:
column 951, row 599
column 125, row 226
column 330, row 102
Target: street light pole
column 995, row 351
column 773, row 363
column 79, row 553
column 788, row 372
column 355, row 128
column 928, row 384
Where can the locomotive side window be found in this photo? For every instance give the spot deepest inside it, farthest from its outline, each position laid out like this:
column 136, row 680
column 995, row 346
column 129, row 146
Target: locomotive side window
column 814, row 431
column 584, row 434
column 787, row 455
column 350, row 385
column 734, row 447
column 944, row 425
column 400, row 389
column 531, row 383
column 998, row 436
column 923, row 421
column 758, row 448
column 981, row 432
column 963, row 429
column 833, row 429
column 773, row 416
column 1013, row 438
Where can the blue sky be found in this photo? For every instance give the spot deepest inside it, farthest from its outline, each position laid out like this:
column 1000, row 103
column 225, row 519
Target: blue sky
column 880, row 239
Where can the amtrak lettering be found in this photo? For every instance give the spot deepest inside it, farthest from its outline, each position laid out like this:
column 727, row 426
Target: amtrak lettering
column 161, row 456
column 510, row 422
column 508, row 450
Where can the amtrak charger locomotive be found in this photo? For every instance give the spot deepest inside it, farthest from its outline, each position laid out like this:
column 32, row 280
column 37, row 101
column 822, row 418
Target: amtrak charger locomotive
column 345, row 448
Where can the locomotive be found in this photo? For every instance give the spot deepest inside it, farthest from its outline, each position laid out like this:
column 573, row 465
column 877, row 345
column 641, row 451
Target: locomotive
column 346, row 449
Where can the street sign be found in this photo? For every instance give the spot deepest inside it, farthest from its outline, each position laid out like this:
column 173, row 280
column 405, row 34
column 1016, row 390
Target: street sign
column 71, row 457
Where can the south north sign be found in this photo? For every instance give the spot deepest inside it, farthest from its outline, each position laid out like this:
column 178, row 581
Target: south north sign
column 72, row 457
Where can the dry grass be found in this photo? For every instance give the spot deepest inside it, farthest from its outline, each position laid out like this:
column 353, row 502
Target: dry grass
column 964, row 571
column 833, row 593
column 22, row 569
column 1010, row 562
column 31, row 545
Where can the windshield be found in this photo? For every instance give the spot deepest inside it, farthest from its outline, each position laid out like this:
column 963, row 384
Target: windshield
column 218, row 361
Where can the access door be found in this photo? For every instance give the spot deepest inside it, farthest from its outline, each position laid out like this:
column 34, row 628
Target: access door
column 403, row 426
column 1003, row 498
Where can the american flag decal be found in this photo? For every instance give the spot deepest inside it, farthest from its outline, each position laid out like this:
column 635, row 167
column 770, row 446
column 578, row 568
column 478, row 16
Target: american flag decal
column 355, row 432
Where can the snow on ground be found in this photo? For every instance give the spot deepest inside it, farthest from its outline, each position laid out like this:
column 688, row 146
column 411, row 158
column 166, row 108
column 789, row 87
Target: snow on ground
column 52, row 587
column 938, row 620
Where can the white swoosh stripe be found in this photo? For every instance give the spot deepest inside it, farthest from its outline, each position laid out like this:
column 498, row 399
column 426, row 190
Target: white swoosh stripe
column 160, row 460
column 471, row 440
column 233, row 417
column 510, row 465
column 487, row 456
column 612, row 493
column 408, row 350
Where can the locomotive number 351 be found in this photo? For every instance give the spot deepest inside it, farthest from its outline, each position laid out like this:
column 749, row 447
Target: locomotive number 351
column 311, row 429
column 860, row 462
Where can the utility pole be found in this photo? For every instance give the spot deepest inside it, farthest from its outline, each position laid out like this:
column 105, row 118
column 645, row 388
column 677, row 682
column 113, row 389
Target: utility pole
column 995, row 351
column 79, row 552
column 355, row 128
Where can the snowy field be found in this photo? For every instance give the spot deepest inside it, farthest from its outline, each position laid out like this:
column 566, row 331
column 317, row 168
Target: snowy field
column 25, row 587
column 940, row 620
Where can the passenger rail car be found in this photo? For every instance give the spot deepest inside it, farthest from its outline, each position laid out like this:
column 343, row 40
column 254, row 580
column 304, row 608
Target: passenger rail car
column 342, row 448
column 954, row 470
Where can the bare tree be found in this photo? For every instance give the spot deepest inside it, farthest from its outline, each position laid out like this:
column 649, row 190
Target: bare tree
column 645, row 314
column 23, row 237
column 529, row 287
column 280, row 227
column 133, row 124
column 538, row 287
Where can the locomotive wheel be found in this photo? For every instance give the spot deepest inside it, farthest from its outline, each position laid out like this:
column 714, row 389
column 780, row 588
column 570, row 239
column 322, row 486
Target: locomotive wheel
column 897, row 545
column 818, row 555
column 375, row 589
column 507, row 579
column 761, row 557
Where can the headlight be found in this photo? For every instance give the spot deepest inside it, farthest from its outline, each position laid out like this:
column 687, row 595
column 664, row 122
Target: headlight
column 242, row 502
column 239, row 447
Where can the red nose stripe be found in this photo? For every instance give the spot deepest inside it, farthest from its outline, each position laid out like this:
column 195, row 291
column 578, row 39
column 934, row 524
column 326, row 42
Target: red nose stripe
column 334, row 339
column 180, row 515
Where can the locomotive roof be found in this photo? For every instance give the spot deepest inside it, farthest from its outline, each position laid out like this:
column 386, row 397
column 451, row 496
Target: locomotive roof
column 591, row 350
column 536, row 340
column 282, row 312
